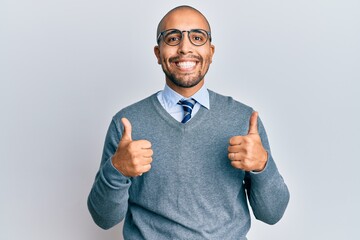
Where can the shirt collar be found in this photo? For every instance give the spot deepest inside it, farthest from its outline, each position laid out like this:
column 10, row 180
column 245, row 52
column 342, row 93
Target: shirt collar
column 171, row 98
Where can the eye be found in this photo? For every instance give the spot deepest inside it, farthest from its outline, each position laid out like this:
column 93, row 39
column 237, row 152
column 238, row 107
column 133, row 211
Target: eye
column 198, row 37
column 173, row 38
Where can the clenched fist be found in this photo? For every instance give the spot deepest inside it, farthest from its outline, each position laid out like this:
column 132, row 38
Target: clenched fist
column 247, row 152
column 132, row 158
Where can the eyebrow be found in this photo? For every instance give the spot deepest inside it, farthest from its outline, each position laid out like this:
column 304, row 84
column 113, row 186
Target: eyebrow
column 173, row 30
column 198, row 30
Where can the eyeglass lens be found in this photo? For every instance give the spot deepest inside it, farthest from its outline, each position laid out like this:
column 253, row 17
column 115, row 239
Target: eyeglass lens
column 197, row 37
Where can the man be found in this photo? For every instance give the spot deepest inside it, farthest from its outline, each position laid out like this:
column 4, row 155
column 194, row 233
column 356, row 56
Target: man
column 181, row 163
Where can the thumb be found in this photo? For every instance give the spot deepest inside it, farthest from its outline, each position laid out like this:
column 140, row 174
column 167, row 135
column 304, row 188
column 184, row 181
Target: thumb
column 127, row 129
column 253, row 128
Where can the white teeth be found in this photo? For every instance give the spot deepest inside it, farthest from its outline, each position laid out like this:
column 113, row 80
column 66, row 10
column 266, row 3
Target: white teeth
column 185, row 64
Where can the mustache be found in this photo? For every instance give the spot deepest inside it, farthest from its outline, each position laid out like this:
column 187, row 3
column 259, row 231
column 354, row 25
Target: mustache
column 178, row 58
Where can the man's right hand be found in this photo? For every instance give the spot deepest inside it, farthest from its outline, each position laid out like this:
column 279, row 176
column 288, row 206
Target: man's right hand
column 132, row 158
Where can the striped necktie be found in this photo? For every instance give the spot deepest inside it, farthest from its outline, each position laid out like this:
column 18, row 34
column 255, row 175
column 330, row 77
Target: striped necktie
column 188, row 105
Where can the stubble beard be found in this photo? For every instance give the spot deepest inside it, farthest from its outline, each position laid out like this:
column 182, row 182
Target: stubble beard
column 186, row 80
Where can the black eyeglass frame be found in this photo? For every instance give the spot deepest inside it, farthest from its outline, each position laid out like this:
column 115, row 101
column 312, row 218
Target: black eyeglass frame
column 208, row 34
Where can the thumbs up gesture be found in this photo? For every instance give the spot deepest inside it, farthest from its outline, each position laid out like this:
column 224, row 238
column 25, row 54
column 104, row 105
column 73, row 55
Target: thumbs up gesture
column 132, row 158
column 247, row 152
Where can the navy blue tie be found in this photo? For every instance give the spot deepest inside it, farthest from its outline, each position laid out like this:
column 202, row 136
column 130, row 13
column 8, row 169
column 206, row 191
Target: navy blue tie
column 188, row 105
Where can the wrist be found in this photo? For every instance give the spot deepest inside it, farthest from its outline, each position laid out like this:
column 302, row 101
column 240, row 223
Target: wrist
column 117, row 165
column 262, row 163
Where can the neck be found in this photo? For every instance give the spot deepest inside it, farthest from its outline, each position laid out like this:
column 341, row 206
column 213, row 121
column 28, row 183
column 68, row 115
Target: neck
column 185, row 92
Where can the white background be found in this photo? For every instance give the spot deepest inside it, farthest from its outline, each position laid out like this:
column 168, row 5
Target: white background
column 67, row 66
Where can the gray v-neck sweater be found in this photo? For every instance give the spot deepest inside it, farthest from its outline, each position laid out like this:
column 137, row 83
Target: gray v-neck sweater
column 191, row 191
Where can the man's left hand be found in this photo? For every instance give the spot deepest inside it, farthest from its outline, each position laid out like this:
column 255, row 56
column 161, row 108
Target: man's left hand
column 247, row 152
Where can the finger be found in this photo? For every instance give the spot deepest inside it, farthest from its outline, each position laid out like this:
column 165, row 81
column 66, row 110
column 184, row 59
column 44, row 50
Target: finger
column 140, row 145
column 253, row 129
column 236, row 156
column 237, row 164
column 235, row 148
column 127, row 129
column 237, row 140
column 146, row 160
column 142, row 161
column 231, row 156
column 144, row 144
column 147, row 153
column 145, row 169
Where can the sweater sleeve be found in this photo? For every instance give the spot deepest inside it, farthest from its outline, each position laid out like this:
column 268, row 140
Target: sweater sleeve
column 267, row 192
column 108, row 198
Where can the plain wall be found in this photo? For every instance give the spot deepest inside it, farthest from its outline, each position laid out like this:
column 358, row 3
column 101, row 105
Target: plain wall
column 67, row 66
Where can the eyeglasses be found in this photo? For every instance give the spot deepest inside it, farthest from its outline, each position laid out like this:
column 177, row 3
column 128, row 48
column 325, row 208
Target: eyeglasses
column 172, row 37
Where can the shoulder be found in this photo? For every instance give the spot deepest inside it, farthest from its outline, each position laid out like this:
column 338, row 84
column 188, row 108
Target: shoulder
column 140, row 107
column 221, row 103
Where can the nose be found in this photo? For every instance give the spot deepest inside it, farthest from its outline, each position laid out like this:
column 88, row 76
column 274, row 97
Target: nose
column 185, row 46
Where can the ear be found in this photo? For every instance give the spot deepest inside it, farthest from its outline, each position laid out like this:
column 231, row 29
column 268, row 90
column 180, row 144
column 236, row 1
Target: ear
column 157, row 53
column 212, row 50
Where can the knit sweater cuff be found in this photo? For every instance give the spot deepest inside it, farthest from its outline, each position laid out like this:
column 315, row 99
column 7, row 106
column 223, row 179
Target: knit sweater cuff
column 266, row 175
column 112, row 177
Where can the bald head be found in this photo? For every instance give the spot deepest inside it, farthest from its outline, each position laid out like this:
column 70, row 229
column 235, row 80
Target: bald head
column 183, row 11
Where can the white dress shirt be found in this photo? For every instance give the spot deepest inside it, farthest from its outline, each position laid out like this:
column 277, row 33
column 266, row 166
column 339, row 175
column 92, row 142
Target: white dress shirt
column 169, row 99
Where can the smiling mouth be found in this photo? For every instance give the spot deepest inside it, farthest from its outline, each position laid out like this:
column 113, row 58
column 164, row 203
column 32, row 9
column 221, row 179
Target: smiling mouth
column 185, row 65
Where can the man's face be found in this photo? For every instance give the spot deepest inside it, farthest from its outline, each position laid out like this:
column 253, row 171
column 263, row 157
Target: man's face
column 184, row 65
